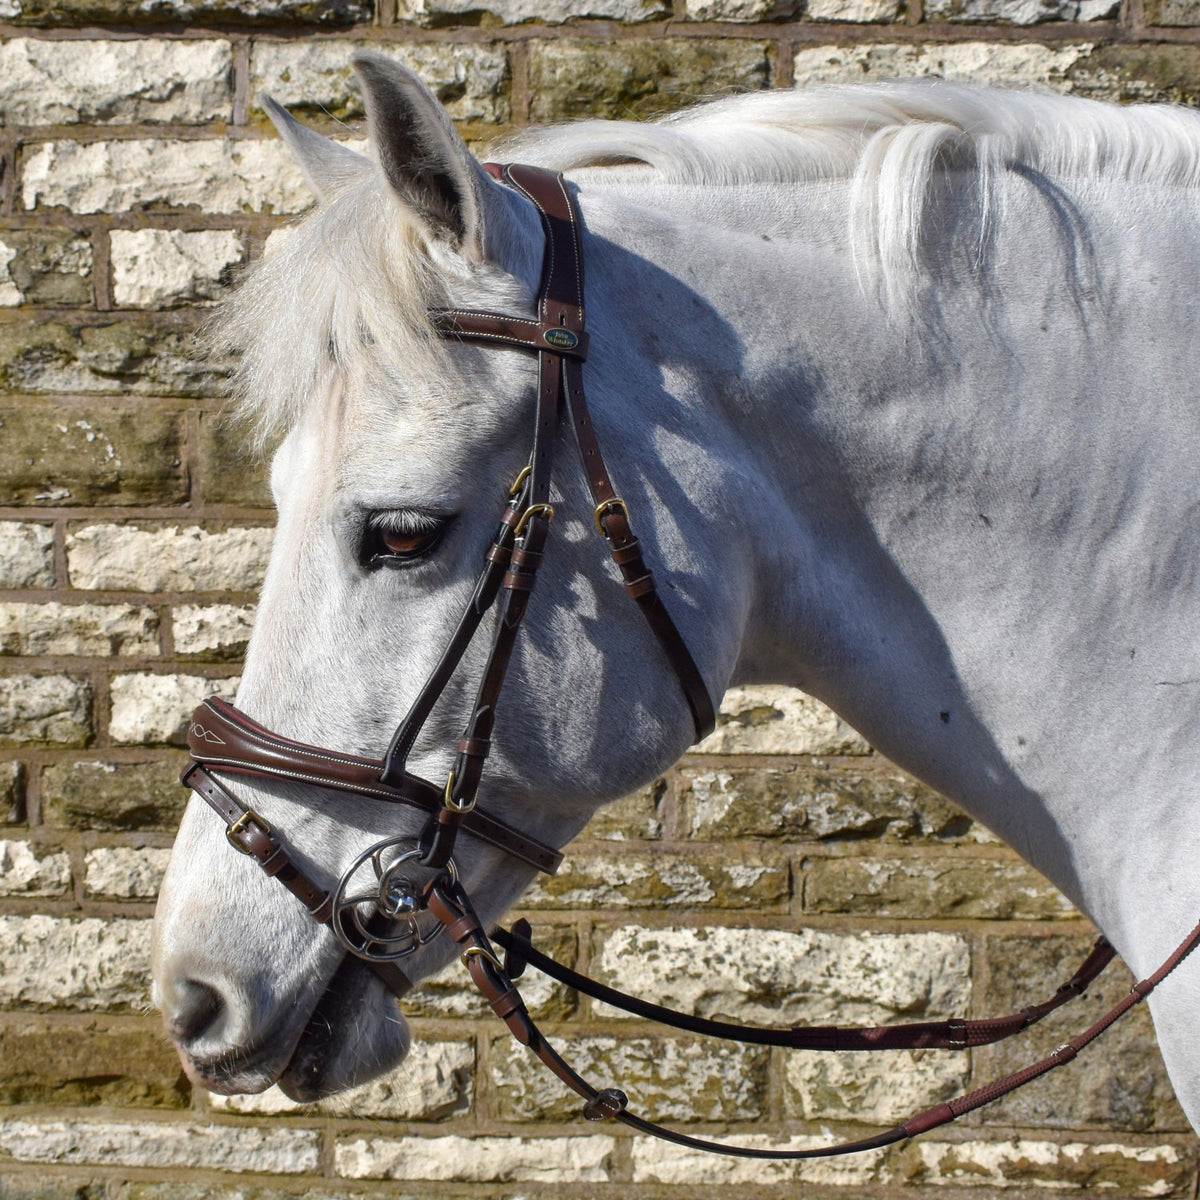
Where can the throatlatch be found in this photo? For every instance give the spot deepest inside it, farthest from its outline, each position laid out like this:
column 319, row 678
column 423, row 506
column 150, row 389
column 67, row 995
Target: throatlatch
column 400, row 893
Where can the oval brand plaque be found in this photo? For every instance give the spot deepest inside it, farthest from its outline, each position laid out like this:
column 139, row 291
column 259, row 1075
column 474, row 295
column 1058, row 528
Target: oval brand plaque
column 561, row 339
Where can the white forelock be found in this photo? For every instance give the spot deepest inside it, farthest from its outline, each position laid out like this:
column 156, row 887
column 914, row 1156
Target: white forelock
column 351, row 274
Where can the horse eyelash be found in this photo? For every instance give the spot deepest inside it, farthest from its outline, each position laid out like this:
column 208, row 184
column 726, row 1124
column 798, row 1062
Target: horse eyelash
column 410, row 521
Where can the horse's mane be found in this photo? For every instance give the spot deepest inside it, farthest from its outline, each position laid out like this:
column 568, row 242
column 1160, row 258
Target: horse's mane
column 892, row 142
column 894, row 133
column 354, row 271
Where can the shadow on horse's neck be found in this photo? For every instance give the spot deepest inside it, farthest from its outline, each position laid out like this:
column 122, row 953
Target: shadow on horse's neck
column 879, row 657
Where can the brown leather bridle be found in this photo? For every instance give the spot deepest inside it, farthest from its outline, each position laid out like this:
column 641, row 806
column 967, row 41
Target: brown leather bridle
column 382, row 924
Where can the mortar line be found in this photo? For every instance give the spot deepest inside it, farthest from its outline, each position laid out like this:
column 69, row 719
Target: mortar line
column 241, row 82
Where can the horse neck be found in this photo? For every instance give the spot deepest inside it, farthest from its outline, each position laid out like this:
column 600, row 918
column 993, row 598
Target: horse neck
column 947, row 504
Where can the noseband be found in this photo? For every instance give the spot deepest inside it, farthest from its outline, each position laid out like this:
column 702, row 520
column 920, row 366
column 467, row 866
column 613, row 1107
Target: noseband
column 399, row 893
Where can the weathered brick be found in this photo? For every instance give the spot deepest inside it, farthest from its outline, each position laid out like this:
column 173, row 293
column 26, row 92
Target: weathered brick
column 1172, row 12
column 150, row 708
column 276, row 1151
column 138, row 358
column 448, row 995
column 1120, row 1083
column 996, row 1166
column 212, row 631
column 12, row 793
column 778, row 720
column 637, row 817
column 639, row 78
column 316, row 77
column 666, row 1079
column 970, row 888
column 229, row 473
column 1020, row 12
column 661, row 1162
column 26, row 555
column 114, row 82
column 180, row 1189
column 776, row 977
column 30, row 870
column 818, row 804
column 583, row 1159
column 662, row 881
column 213, row 175
column 1016, row 1166
column 124, row 872
column 37, row 1186
column 97, row 1062
column 114, row 797
column 434, row 1082
column 85, row 964
column 1125, row 72
column 862, row 11
column 879, row 1089
column 98, row 630
column 514, row 12
column 1145, row 72
column 122, row 12
column 740, row 10
column 163, row 268
column 45, row 266
column 979, row 62
column 160, row 558
column 858, row 11
column 96, row 456
column 45, row 708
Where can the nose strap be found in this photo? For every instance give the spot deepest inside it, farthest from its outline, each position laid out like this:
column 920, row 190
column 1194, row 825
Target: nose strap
column 249, row 834
column 222, row 738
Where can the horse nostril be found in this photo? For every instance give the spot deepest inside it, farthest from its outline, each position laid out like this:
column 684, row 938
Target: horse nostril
column 194, row 1008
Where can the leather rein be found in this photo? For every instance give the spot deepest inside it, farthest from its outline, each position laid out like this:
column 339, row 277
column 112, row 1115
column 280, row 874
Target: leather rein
column 380, row 914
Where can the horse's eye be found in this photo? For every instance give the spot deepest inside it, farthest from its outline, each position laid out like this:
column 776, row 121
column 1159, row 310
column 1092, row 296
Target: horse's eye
column 396, row 539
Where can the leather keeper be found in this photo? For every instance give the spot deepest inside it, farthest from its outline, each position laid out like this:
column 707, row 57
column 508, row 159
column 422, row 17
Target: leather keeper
column 500, row 555
column 274, row 863
column 605, row 1104
column 522, row 556
column 630, row 553
column 520, row 581
column 475, row 747
column 506, row 1003
column 464, row 927
column 638, row 588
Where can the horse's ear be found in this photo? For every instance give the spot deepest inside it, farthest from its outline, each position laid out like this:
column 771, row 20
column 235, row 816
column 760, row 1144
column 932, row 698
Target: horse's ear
column 327, row 166
column 422, row 155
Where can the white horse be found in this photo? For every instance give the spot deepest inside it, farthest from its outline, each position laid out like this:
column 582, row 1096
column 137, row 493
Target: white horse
column 902, row 387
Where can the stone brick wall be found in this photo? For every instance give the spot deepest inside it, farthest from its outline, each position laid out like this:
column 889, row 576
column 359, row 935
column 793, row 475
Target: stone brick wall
column 136, row 176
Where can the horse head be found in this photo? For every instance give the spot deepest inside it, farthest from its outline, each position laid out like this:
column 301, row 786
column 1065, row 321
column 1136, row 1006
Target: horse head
column 396, row 451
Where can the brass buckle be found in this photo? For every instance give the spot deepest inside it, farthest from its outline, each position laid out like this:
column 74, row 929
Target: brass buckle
column 481, row 952
column 532, row 511
column 233, row 831
column 459, row 806
column 613, row 504
column 520, row 479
